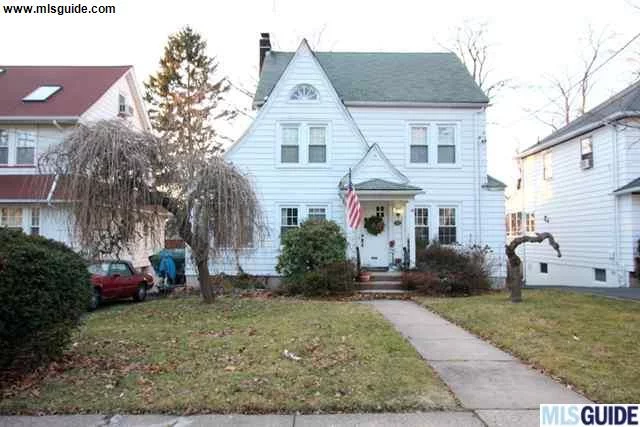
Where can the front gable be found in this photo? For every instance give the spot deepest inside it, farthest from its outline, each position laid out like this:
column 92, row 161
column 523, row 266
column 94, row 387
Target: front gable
column 304, row 69
column 375, row 165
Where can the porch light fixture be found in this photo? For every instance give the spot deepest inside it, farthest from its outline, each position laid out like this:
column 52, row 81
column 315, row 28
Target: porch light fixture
column 398, row 212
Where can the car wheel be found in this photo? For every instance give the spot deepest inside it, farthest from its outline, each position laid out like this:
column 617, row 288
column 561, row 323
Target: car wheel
column 95, row 299
column 141, row 293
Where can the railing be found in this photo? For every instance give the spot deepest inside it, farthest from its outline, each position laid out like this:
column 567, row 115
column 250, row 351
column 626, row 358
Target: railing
column 406, row 252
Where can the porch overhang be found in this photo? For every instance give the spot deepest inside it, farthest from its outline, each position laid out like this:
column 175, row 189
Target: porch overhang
column 380, row 189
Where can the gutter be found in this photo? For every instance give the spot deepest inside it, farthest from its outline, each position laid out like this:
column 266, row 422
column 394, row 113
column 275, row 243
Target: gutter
column 580, row 131
column 627, row 191
column 39, row 119
column 406, row 104
column 415, row 104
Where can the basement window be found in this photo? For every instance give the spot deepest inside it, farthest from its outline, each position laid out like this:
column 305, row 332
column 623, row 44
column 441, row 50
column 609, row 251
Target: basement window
column 42, row 93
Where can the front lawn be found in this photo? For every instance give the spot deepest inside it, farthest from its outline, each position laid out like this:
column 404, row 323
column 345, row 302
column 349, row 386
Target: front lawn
column 588, row 341
column 182, row 356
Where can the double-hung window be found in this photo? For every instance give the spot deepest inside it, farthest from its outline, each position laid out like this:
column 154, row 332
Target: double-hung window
column 531, row 223
column 317, row 144
column 4, row 147
column 35, row 221
column 446, row 144
column 11, row 218
column 289, row 220
column 421, row 227
column 290, row 147
column 419, row 147
column 586, row 153
column 317, row 214
column 547, row 170
column 26, row 148
column 447, row 226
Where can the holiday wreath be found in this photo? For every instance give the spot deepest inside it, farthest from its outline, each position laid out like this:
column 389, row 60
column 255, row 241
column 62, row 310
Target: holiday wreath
column 374, row 224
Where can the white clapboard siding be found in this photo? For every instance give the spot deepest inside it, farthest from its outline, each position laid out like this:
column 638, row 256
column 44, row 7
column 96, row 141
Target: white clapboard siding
column 256, row 154
column 578, row 207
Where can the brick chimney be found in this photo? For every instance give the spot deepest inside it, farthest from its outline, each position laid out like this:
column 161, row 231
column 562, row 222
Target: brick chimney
column 265, row 46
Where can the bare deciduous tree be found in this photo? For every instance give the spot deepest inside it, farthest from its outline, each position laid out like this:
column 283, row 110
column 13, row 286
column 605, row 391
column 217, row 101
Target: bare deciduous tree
column 568, row 95
column 471, row 45
column 514, row 268
column 109, row 173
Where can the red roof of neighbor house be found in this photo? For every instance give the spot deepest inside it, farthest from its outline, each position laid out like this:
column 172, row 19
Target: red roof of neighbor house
column 81, row 88
column 29, row 187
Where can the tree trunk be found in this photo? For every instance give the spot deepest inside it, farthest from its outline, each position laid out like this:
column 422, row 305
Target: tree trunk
column 514, row 266
column 204, row 278
column 514, row 281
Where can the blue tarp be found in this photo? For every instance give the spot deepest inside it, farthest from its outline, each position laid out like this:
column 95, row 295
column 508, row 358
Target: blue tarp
column 167, row 267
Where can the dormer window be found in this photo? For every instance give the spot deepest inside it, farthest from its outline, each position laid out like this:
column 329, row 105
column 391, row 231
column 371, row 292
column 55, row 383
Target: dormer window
column 42, row 93
column 304, row 92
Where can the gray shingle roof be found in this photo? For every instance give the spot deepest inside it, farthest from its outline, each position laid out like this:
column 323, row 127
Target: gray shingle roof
column 624, row 101
column 635, row 184
column 383, row 185
column 437, row 77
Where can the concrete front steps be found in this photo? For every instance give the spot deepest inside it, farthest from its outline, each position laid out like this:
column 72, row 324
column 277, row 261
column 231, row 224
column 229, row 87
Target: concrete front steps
column 383, row 282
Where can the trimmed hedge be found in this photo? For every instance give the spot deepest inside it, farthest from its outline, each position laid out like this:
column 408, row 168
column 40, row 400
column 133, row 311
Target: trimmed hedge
column 333, row 279
column 448, row 270
column 44, row 290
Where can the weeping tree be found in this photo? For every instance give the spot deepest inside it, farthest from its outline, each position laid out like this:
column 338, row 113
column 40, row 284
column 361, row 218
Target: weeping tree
column 514, row 268
column 115, row 180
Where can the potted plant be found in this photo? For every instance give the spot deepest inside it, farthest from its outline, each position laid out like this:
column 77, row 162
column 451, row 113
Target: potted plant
column 364, row 276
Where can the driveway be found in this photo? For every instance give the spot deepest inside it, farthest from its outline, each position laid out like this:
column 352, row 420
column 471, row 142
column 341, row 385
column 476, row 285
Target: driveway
column 620, row 293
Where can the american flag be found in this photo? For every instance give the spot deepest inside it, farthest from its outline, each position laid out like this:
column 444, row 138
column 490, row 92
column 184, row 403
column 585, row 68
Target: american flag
column 354, row 209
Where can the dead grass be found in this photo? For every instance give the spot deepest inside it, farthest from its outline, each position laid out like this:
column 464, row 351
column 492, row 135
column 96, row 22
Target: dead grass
column 590, row 342
column 182, row 356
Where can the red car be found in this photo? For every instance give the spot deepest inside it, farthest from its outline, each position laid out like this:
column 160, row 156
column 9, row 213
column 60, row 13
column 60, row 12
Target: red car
column 115, row 280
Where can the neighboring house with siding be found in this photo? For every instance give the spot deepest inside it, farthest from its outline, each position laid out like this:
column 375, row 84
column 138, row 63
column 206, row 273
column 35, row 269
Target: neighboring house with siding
column 582, row 184
column 410, row 126
column 38, row 104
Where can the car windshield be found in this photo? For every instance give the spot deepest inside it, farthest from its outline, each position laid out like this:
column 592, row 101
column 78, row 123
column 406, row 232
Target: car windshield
column 99, row 269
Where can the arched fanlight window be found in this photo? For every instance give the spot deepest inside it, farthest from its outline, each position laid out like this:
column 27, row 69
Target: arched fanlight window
column 304, row 92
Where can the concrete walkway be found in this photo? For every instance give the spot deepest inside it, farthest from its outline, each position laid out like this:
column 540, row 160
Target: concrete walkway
column 501, row 390
column 422, row 419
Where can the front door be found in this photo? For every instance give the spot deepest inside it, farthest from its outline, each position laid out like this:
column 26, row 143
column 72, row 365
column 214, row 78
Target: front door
column 374, row 249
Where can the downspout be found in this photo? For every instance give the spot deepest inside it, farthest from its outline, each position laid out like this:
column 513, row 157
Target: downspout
column 616, row 208
column 52, row 190
column 476, row 203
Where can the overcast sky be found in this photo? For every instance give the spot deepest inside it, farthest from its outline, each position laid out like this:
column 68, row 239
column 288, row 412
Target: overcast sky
column 529, row 41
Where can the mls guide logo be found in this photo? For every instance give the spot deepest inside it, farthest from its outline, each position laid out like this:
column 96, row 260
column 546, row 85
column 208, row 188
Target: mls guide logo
column 589, row 415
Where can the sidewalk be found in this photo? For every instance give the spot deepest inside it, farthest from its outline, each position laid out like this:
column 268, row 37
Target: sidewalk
column 500, row 389
column 424, row 419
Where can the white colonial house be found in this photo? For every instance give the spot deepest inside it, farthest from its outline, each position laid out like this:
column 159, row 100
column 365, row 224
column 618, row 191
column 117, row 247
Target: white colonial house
column 582, row 183
column 410, row 126
column 38, row 104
